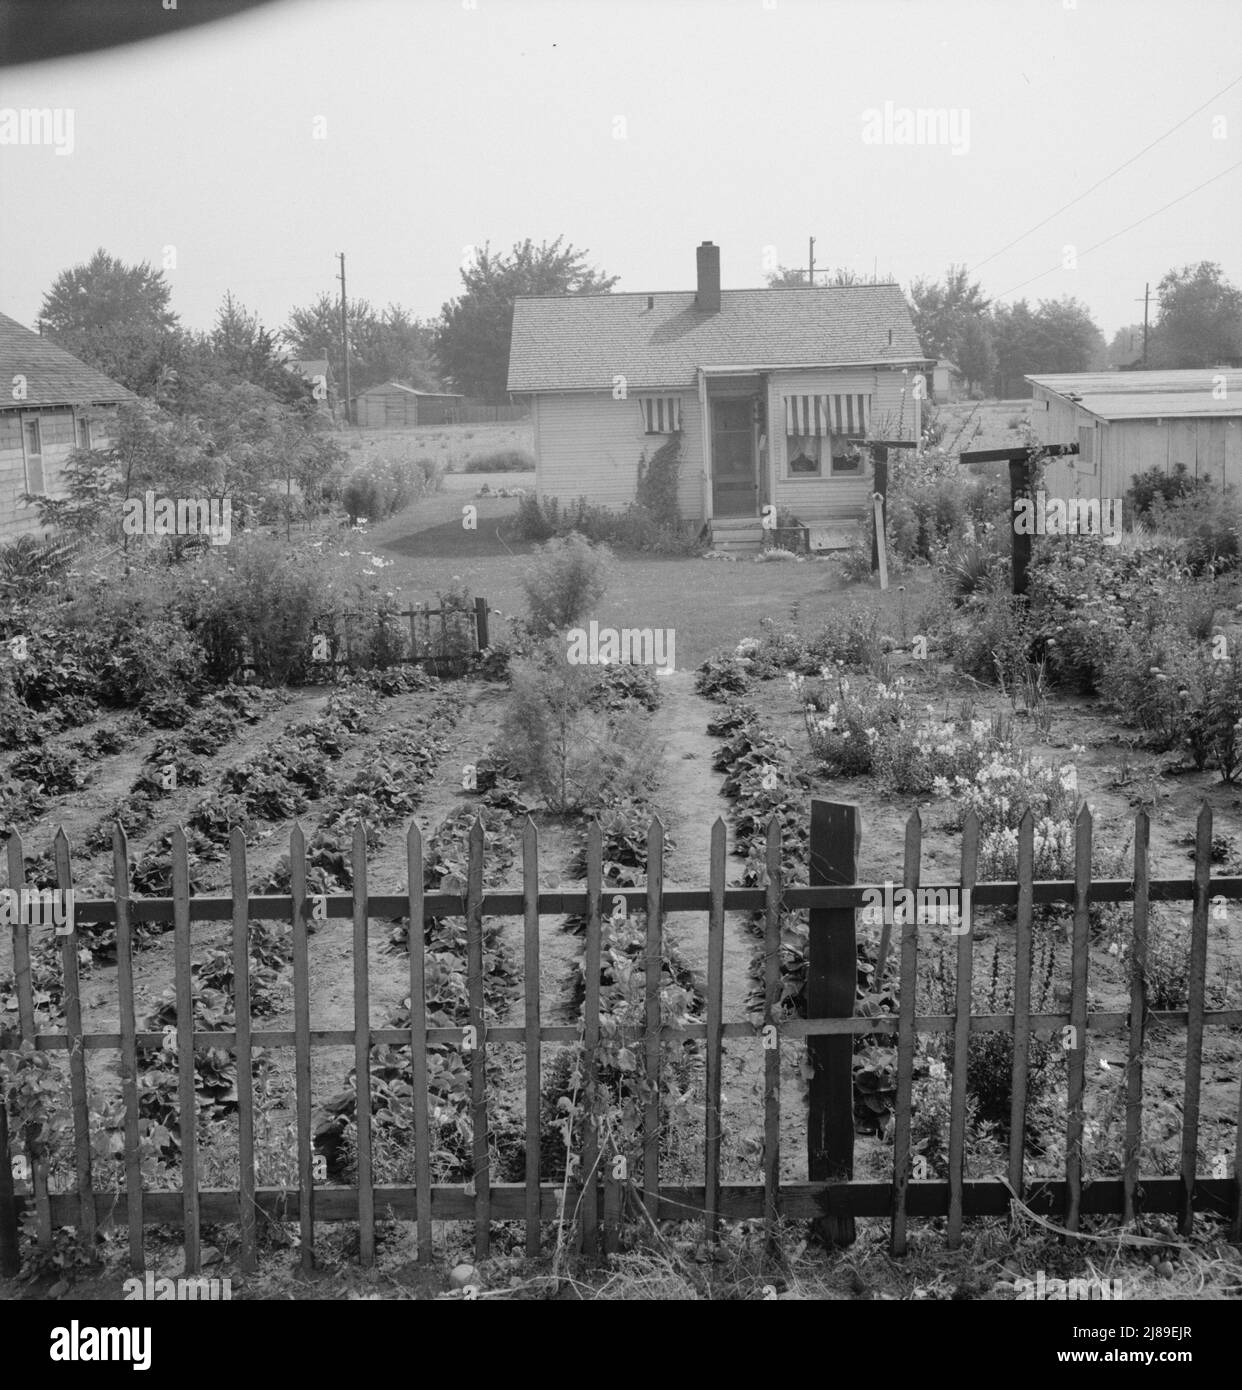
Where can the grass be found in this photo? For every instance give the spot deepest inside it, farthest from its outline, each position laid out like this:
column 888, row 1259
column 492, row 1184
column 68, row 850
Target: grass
column 708, row 604
column 453, row 447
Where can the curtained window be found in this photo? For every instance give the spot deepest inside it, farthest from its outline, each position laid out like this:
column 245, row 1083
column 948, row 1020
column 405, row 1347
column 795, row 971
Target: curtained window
column 822, row 432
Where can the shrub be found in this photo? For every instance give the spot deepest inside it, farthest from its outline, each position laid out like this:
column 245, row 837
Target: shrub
column 263, row 598
column 573, row 756
column 501, row 461
column 991, row 639
column 1156, row 486
column 381, row 489
column 1208, row 522
column 563, row 582
column 636, row 527
column 656, row 491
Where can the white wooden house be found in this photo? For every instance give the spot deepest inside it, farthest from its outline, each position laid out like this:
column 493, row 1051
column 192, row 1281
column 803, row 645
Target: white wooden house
column 770, row 390
column 1129, row 422
column 50, row 404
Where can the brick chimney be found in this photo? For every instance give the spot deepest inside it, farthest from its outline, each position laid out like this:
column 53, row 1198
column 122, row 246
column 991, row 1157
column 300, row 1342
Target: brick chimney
column 707, row 297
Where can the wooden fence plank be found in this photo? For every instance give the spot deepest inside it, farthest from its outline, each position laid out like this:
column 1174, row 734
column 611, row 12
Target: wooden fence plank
column 10, row 1239
column 243, row 1053
column 418, row 1040
column 72, row 1003
column 187, row 1108
column 1196, row 987
column 651, row 1015
column 362, row 1050
column 593, row 1105
column 715, row 1017
column 1076, row 1038
column 534, row 1060
column 831, row 986
column 961, row 1034
column 1138, row 1018
column 35, row 1152
column 478, row 1056
column 1022, row 947
column 302, row 1047
column 129, row 1046
column 906, row 1040
column 771, row 1035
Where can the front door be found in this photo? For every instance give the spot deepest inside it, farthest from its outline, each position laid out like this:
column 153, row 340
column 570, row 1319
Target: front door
column 735, row 479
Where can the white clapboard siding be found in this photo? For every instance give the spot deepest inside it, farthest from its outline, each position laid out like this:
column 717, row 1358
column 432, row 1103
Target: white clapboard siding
column 589, row 444
column 58, row 435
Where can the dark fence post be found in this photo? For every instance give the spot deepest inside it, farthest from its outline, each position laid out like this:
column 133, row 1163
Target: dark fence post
column 10, row 1258
column 1019, row 489
column 831, row 981
column 880, row 456
column 480, row 623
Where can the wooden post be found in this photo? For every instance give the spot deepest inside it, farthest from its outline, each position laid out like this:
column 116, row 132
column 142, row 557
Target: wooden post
column 1020, row 487
column 879, row 454
column 831, row 981
column 10, row 1258
column 480, row 623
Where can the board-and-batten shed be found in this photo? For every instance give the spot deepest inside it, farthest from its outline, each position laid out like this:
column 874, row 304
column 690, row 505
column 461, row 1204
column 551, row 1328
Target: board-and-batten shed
column 1129, row 422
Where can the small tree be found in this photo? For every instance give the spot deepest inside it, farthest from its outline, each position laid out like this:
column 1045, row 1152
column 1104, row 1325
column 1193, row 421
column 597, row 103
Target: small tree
column 565, row 580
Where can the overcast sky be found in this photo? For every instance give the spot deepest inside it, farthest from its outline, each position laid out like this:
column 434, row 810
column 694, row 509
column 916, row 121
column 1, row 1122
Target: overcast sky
column 636, row 130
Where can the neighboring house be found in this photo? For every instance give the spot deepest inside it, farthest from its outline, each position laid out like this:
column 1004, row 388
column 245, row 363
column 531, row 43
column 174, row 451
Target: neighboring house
column 393, row 406
column 948, row 383
column 771, row 392
column 1128, row 422
column 50, row 404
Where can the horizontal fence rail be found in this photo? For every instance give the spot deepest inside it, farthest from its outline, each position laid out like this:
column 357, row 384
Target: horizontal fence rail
column 599, row 1188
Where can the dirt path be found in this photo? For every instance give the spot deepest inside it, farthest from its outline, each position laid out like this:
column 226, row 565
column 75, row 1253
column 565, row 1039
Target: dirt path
column 692, row 801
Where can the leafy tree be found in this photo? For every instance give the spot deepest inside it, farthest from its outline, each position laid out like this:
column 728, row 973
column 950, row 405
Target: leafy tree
column 115, row 317
column 1200, row 319
column 472, row 338
column 387, row 345
column 1067, row 339
column 244, row 351
column 784, row 276
column 942, row 309
column 974, row 351
column 1016, row 336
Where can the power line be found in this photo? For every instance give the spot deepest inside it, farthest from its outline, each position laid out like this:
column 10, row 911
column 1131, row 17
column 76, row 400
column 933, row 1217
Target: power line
column 1106, row 177
column 1113, row 236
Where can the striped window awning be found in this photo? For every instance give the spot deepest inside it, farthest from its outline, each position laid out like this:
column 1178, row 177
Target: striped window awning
column 815, row 416
column 661, row 414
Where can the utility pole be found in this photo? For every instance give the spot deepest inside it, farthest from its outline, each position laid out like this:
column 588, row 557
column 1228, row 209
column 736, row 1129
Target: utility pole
column 810, row 276
column 1146, row 297
column 340, row 255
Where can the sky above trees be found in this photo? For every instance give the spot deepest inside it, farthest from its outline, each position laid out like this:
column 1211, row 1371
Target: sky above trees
column 409, row 133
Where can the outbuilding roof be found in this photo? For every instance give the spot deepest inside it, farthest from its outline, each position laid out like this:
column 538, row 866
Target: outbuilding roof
column 582, row 342
column 53, row 376
column 1195, row 392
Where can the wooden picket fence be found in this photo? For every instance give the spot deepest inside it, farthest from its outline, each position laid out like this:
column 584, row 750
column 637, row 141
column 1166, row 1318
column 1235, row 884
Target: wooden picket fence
column 601, row 1189
column 431, row 641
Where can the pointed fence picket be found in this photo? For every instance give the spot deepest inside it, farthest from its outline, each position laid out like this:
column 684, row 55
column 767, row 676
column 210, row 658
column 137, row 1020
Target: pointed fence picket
column 600, row 1177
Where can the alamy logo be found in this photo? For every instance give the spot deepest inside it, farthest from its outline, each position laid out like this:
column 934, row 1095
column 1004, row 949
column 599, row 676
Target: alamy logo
column 925, row 907
column 1042, row 1288
column 183, row 516
column 631, row 646
column 1042, row 515
column 183, row 1289
column 37, row 907
column 78, row 1343
column 37, row 125
column 899, row 125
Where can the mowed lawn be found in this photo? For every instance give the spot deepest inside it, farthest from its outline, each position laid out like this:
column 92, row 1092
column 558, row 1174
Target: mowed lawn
column 707, row 603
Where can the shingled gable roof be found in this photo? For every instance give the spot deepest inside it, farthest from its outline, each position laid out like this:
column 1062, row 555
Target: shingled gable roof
column 53, row 376
column 581, row 342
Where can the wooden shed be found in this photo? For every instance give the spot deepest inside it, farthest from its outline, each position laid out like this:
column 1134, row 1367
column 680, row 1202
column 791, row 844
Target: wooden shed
column 1129, row 422
column 394, row 406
